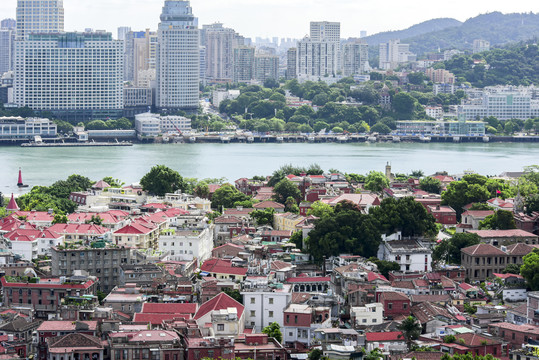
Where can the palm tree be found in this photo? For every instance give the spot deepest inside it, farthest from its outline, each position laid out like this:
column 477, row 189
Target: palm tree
column 411, row 329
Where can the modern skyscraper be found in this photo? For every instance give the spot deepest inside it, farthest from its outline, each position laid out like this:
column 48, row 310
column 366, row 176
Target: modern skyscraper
column 8, row 24
column 244, row 62
column 393, row 53
column 220, row 44
column 7, row 49
column 77, row 76
column 140, row 57
column 291, row 63
column 178, row 57
column 122, row 32
column 266, row 67
column 319, row 54
column 39, row 16
column 355, row 56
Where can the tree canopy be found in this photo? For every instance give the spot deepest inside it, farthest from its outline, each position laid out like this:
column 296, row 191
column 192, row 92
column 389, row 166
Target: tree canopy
column 500, row 220
column 530, row 269
column 161, row 180
column 274, row 330
column 449, row 250
column 226, row 196
column 431, row 185
column 285, row 189
column 376, row 181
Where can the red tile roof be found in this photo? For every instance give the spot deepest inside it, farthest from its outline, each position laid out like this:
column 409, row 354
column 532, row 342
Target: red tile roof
column 503, row 233
column 169, row 308
column 136, row 227
column 157, row 319
column 372, row 276
column 478, row 213
column 309, row 279
column 32, row 216
column 155, row 206
column 12, row 206
column 31, row 235
column 220, row 266
column 384, row 336
column 218, row 302
column 482, row 249
column 53, row 325
column 507, row 276
column 392, row 295
column 268, row 204
column 81, row 229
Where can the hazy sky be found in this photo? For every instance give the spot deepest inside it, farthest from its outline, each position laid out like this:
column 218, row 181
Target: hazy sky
column 282, row 18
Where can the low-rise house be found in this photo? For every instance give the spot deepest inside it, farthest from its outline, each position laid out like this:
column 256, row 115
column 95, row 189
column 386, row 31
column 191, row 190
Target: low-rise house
column 287, row 221
column 45, row 295
column 31, row 243
column 18, row 332
column 501, row 204
column 155, row 313
column 387, row 342
column 431, row 316
column 370, row 314
column 532, row 307
column 482, row 261
column 127, row 299
column 228, row 251
column 441, row 299
column 444, row 215
column 517, row 315
column 223, row 224
column 474, row 344
column 265, row 305
column 39, row 219
column 112, row 219
column 363, row 201
column 75, row 346
column 470, row 219
column 147, row 344
column 259, row 346
column 506, row 237
column 310, row 283
column 208, row 348
column 80, row 232
column 187, row 244
column 529, row 223
column 221, row 316
column 137, row 234
column 269, row 204
column 54, row 328
column 300, row 322
column 396, row 304
column 516, row 335
column 222, row 269
column 411, row 255
column 274, row 235
column 142, row 275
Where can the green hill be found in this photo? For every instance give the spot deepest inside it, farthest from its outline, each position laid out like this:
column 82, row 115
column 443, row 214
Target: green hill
column 495, row 27
column 416, row 30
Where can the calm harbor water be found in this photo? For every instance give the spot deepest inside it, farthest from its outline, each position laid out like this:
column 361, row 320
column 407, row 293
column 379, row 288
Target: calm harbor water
column 43, row 166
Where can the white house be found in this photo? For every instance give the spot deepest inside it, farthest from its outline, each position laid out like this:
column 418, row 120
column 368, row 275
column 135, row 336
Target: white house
column 370, row 314
column 411, row 255
column 187, row 244
column 224, row 314
column 29, row 243
column 265, row 305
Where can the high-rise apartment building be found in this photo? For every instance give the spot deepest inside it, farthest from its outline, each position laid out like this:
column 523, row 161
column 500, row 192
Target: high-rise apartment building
column 7, row 49
column 394, row 53
column 122, row 32
column 266, row 67
column 220, row 44
column 39, row 16
column 355, row 57
column 480, row 45
column 77, row 76
column 140, row 57
column 291, row 63
column 244, row 62
column 178, row 57
column 325, row 30
column 8, row 24
column 319, row 55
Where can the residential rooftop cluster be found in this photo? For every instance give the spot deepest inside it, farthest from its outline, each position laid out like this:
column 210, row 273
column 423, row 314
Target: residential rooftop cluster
column 131, row 275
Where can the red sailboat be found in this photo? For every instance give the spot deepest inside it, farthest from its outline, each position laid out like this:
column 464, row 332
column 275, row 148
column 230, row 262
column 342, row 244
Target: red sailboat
column 20, row 183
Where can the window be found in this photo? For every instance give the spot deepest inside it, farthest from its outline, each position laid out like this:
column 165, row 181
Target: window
column 271, row 314
column 404, row 305
column 390, row 306
column 253, row 313
column 271, row 301
column 513, row 336
column 220, row 327
column 364, row 320
column 252, row 300
column 295, row 319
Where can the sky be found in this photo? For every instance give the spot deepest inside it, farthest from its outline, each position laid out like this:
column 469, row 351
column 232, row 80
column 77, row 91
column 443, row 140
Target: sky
column 281, row 18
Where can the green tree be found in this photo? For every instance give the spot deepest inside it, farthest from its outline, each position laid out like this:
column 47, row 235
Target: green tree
column 411, row 329
column 405, row 215
column 512, row 269
column 481, row 206
column 95, row 219
column 380, row 128
column 226, row 196
column 431, row 185
column 460, row 193
column 449, row 250
column 161, row 180
column 384, row 266
column 530, row 269
column 291, row 205
column 59, row 219
column 404, row 105
column 263, row 217
column 115, row 183
column 500, row 220
column 376, row 181
column 315, row 354
column 320, row 209
column 297, row 239
column 273, row 330
column 63, row 126
column 374, row 354
column 285, row 189
column 532, row 203
column 234, row 294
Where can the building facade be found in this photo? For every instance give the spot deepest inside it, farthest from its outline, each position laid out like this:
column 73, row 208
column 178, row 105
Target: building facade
column 355, row 58
column 39, row 16
column 76, row 76
column 244, row 63
column 26, row 129
column 178, row 58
